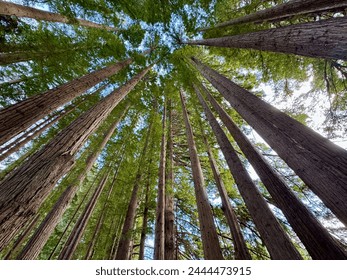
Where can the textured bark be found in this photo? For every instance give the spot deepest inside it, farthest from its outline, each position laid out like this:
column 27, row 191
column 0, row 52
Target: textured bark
column 46, row 228
column 321, row 164
column 324, row 39
column 210, row 242
column 7, row 8
column 317, row 240
column 20, row 144
column 21, row 238
column 159, row 241
column 169, row 199
column 125, row 239
column 240, row 247
column 288, row 9
column 276, row 240
column 18, row 117
column 78, row 230
column 23, row 191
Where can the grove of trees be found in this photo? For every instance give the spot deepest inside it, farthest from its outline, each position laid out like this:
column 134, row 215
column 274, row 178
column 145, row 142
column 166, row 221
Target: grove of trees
column 173, row 130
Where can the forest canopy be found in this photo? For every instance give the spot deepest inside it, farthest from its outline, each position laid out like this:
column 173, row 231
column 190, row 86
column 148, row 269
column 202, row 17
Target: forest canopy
column 175, row 130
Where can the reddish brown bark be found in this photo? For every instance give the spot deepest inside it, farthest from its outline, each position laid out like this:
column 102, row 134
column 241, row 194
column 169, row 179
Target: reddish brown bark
column 210, row 242
column 321, row 164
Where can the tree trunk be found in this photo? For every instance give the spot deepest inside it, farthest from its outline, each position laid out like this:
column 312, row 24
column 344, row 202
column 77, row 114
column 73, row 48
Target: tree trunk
column 40, row 237
column 21, row 238
column 78, row 230
column 209, row 235
column 7, row 8
column 18, row 117
column 23, row 191
column 276, row 240
column 144, row 224
column 124, row 243
column 18, row 145
column 240, row 247
column 169, row 199
column 321, row 164
column 321, row 39
column 317, row 240
column 288, row 9
column 159, row 243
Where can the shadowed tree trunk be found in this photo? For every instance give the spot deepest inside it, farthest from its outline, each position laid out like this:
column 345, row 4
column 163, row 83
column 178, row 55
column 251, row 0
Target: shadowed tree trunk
column 240, row 247
column 276, row 240
column 317, row 240
column 125, row 239
column 321, row 39
column 40, row 237
column 285, row 10
column 23, row 191
column 144, row 224
column 321, row 164
column 169, row 199
column 78, row 230
column 159, row 241
column 18, row 117
column 12, row 9
column 208, row 231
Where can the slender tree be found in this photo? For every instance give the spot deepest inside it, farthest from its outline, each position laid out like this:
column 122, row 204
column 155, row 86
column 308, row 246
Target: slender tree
column 144, row 221
column 285, row 10
column 125, row 239
column 159, row 241
column 22, row 192
column 240, row 247
column 208, row 231
column 18, row 117
column 12, row 9
column 169, row 198
column 321, row 39
column 317, row 240
column 78, row 230
column 276, row 240
column 321, row 164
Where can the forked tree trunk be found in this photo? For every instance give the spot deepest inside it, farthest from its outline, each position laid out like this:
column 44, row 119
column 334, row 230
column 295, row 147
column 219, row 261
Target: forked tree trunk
column 159, row 241
column 75, row 236
column 169, row 198
column 210, row 242
column 46, row 228
column 276, row 240
column 321, row 164
column 240, row 247
column 18, row 117
column 12, row 9
column 317, row 240
column 285, row 10
column 23, row 191
column 321, row 39
column 125, row 239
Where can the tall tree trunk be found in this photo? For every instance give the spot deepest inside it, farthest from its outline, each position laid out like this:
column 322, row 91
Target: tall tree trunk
column 159, row 241
column 12, row 9
column 321, row 164
column 125, row 239
column 276, row 240
column 240, row 247
column 23, row 191
column 324, row 39
column 40, row 237
column 209, row 235
column 20, row 144
column 22, row 238
column 78, row 230
column 285, row 10
column 317, row 240
column 169, row 198
column 144, row 223
column 18, row 117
